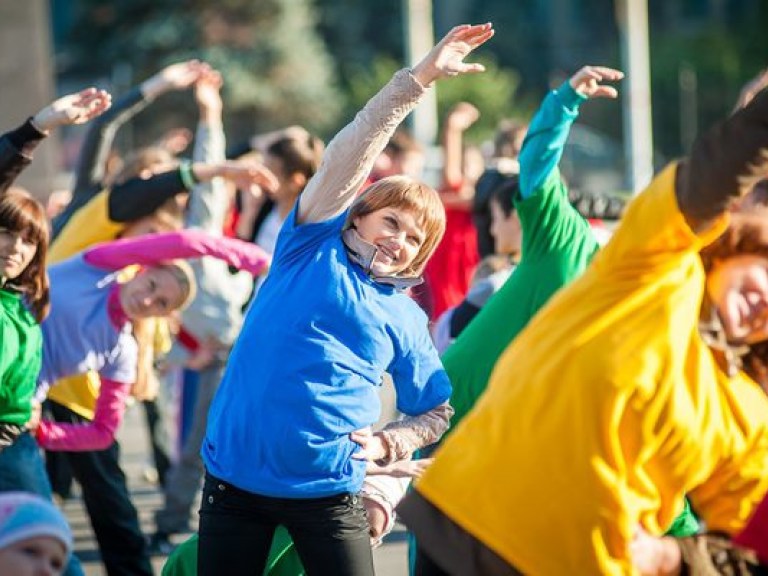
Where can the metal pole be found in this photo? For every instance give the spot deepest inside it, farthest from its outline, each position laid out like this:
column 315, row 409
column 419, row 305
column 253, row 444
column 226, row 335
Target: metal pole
column 632, row 19
column 419, row 39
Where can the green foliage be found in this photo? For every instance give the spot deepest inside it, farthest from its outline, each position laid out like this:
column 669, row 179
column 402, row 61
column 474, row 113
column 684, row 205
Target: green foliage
column 493, row 92
column 276, row 68
column 721, row 63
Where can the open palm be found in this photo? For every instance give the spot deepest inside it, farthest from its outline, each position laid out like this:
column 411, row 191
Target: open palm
column 447, row 57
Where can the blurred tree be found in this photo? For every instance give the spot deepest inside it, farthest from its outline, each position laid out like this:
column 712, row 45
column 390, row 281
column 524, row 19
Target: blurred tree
column 276, row 68
column 494, row 93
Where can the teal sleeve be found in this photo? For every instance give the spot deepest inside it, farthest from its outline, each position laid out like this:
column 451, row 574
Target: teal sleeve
column 547, row 133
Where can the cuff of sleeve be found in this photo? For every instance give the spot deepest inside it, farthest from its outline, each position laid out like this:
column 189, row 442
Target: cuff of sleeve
column 41, row 434
column 568, row 97
column 186, row 175
column 26, row 137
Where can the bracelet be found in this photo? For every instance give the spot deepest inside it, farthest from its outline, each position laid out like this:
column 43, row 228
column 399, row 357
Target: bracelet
column 187, row 175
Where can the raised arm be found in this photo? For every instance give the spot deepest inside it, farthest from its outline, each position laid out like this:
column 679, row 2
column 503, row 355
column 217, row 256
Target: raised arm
column 152, row 249
column 209, row 201
column 454, row 191
column 17, row 146
column 725, row 163
column 140, row 197
column 350, row 155
column 549, row 129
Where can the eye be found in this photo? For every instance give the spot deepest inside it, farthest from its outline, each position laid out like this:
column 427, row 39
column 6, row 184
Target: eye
column 391, row 220
column 162, row 303
column 152, row 285
column 414, row 240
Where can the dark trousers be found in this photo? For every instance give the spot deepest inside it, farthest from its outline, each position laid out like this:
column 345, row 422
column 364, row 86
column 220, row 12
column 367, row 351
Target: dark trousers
column 444, row 547
column 236, row 529
column 113, row 517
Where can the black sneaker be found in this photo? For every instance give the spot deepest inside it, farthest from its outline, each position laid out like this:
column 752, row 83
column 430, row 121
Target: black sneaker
column 160, row 544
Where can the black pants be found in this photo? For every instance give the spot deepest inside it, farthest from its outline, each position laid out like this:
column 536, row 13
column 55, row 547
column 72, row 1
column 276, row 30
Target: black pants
column 113, row 517
column 236, row 530
column 444, row 547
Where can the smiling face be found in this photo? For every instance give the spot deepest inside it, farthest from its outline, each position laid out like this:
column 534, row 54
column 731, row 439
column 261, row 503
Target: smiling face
column 396, row 233
column 40, row 556
column 153, row 292
column 16, row 252
column 738, row 287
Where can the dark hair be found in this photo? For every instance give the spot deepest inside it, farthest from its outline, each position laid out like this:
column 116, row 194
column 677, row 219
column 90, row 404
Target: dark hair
column 298, row 154
column 138, row 161
column 401, row 143
column 509, row 138
column 504, row 194
column 491, row 182
column 21, row 213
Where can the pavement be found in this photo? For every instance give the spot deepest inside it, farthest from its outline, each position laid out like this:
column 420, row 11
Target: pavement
column 390, row 559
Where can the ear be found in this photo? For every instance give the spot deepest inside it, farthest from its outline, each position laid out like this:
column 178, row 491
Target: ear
column 298, row 180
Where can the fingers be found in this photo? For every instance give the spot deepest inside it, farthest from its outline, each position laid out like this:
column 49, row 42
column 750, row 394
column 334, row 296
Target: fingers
column 472, row 34
column 267, row 180
column 605, row 92
column 472, row 68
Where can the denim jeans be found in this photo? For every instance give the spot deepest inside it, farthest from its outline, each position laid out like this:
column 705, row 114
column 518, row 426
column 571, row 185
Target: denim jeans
column 236, row 529
column 124, row 550
column 22, row 469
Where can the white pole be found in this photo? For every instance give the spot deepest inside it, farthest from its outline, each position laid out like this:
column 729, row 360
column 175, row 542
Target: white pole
column 419, row 39
column 632, row 18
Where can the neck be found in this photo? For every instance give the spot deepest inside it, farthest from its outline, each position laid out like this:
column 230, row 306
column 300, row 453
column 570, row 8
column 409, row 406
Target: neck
column 284, row 207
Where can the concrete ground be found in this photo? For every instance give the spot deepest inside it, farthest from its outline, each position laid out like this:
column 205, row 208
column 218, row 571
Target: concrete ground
column 390, row 559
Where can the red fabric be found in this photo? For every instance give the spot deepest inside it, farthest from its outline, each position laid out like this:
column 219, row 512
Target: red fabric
column 187, row 340
column 449, row 272
column 755, row 534
column 230, row 224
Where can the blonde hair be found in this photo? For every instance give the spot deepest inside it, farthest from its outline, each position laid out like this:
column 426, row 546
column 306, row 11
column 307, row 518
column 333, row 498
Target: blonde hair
column 183, row 274
column 404, row 193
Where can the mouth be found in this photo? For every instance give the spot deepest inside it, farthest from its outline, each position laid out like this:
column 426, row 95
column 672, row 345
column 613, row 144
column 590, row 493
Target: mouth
column 10, row 261
column 387, row 253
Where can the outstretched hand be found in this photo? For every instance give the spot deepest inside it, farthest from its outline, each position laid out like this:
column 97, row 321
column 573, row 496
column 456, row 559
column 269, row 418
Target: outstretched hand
column 462, row 116
column 587, row 81
column 208, row 93
column 179, row 76
column 75, row 108
column 447, row 57
column 246, row 175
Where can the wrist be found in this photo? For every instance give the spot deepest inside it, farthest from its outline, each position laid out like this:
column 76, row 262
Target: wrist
column 210, row 116
column 570, row 97
column 188, row 175
column 152, row 87
column 35, row 128
column 424, row 74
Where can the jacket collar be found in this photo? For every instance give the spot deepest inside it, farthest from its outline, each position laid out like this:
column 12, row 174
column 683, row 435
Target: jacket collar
column 363, row 254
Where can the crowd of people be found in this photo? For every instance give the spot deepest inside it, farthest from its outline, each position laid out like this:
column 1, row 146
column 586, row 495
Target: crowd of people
column 572, row 398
